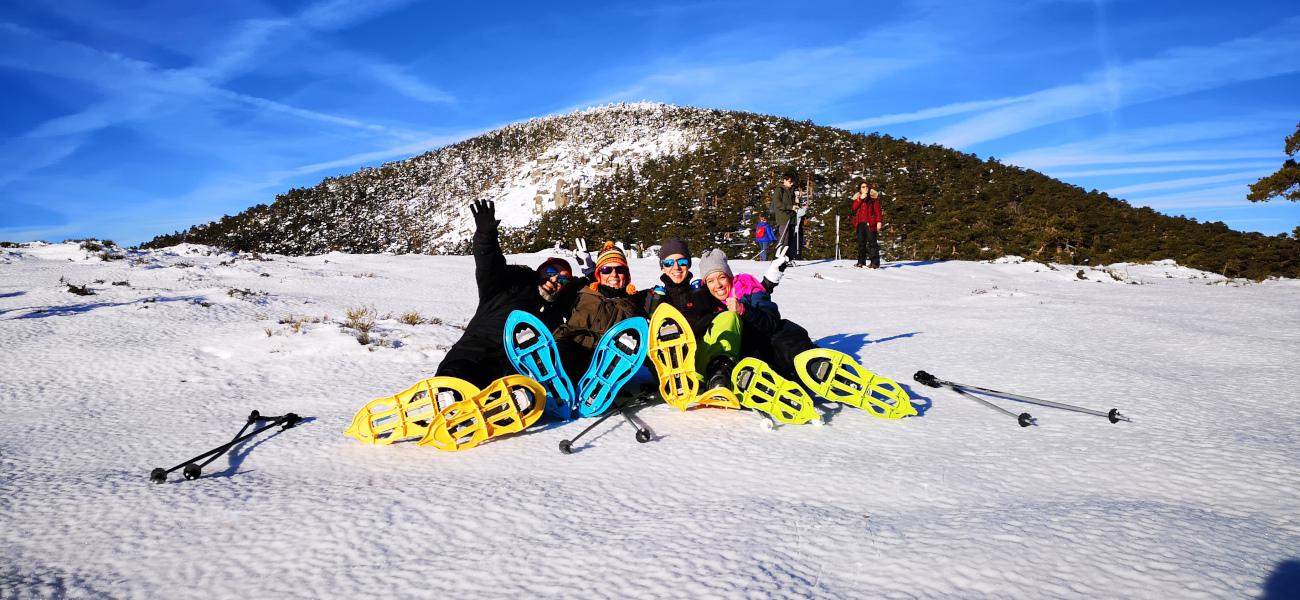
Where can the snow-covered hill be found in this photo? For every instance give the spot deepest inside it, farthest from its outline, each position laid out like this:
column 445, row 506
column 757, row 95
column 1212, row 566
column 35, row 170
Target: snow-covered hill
column 1194, row 499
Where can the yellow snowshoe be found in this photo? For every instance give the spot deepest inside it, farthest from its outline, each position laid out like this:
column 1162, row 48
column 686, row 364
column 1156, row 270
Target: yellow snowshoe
column 672, row 350
column 762, row 389
column 409, row 413
column 507, row 405
column 835, row 376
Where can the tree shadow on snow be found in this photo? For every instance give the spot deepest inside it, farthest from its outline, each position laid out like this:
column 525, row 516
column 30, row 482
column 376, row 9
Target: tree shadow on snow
column 915, row 263
column 40, row 312
column 852, row 343
column 1283, row 582
column 239, row 452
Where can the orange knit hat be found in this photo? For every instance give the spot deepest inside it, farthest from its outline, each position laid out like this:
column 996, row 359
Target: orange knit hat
column 610, row 255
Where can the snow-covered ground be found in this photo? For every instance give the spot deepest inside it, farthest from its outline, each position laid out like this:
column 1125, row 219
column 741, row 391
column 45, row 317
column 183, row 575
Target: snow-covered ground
column 1196, row 498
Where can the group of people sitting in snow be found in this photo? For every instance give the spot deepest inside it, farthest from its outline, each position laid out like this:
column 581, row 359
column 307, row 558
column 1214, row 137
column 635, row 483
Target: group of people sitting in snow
column 732, row 315
column 745, row 354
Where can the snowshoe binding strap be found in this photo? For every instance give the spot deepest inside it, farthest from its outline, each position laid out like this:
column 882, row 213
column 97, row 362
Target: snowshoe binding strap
column 409, row 413
column 719, row 397
column 835, row 376
column 760, row 388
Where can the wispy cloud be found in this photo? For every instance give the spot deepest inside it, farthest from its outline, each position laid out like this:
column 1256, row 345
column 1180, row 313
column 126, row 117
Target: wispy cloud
column 948, row 110
column 1156, row 169
column 793, row 81
column 1221, row 196
column 131, row 90
column 1216, row 140
column 1188, row 182
column 1175, row 72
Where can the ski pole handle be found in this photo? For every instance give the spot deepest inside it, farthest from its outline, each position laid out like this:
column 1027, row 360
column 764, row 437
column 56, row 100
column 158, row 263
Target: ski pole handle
column 924, row 378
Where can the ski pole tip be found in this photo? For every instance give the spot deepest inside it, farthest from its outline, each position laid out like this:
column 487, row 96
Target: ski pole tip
column 158, row 475
column 1026, row 420
column 1115, row 416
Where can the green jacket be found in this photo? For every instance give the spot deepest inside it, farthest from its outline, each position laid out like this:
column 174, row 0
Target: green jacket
column 782, row 207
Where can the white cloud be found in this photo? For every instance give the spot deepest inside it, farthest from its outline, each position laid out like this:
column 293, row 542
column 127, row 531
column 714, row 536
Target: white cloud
column 1187, row 182
column 793, row 81
column 947, row 110
column 1173, row 168
column 1228, row 195
column 1175, row 72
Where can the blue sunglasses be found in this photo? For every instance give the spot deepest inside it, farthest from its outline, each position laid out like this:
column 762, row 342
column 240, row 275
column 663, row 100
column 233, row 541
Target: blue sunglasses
column 681, row 262
column 554, row 272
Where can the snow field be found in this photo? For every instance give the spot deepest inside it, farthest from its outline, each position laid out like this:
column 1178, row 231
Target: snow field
column 1194, row 499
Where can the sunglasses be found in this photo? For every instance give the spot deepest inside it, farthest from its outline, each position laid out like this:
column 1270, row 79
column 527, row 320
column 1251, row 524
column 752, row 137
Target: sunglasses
column 552, row 272
column 671, row 262
column 607, row 269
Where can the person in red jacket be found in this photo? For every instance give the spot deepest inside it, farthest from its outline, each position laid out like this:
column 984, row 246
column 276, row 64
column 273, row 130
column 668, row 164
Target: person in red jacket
column 867, row 221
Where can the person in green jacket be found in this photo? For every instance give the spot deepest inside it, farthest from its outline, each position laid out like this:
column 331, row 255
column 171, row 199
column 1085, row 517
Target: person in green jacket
column 783, row 206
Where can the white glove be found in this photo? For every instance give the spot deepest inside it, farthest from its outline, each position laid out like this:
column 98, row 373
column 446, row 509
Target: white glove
column 583, row 257
column 777, row 269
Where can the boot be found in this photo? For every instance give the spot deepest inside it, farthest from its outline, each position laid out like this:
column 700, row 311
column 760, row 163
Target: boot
column 718, row 373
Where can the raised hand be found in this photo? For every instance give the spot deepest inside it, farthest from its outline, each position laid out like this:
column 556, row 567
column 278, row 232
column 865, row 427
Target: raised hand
column 583, row 257
column 485, row 214
column 779, row 264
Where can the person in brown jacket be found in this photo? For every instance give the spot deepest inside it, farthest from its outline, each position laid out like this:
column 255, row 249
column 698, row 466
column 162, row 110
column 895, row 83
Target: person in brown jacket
column 599, row 306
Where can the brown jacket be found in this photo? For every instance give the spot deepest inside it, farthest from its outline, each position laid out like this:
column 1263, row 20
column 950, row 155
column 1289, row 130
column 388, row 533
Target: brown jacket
column 595, row 311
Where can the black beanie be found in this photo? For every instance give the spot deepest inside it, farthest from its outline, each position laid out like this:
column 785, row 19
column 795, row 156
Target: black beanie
column 673, row 246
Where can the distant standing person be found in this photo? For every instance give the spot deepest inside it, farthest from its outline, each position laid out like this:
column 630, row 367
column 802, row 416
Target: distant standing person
column 867, row 220
column 784, row 203
column 764, row 235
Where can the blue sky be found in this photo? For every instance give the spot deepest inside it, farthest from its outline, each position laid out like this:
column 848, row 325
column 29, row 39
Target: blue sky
column 127, row 120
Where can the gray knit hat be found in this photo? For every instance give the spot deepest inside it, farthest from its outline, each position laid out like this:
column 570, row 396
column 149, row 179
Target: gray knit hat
column 673, row 246
column 714, row 261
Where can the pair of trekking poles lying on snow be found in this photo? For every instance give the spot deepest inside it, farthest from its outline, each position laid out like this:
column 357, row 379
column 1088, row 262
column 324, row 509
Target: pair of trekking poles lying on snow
column 194, row 469
column 1024, row 418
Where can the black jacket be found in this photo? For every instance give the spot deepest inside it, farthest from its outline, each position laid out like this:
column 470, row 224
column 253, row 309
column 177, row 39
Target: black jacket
column 690, row 297
column 502, row 288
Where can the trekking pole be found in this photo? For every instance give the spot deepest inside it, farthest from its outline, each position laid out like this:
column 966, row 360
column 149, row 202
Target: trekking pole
column 1025, row 419
column 193, row 471
column 642, row 432
column 1113, row 415
column 837, row 238
column 566, row 446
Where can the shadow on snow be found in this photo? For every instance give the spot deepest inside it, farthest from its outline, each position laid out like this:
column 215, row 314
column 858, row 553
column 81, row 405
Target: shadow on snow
column 1283, row 582
column 852, row 343
column 77, row 309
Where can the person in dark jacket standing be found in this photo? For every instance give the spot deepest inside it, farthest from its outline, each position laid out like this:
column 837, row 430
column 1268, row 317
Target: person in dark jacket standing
column 867, row 219
column 479, row 356
column 783, row 206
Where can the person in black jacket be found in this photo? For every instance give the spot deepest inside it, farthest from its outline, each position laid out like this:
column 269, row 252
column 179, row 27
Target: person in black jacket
column 677, row 286
column 547, row 292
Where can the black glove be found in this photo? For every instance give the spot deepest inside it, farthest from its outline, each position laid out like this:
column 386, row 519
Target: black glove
column 485, row 214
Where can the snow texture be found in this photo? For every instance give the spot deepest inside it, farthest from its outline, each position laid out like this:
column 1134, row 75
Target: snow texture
column 1194, row 499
